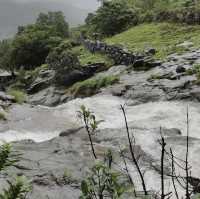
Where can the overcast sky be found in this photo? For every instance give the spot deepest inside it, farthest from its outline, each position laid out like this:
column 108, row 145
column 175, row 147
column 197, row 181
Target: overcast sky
column 84, row 4
column 20, row 12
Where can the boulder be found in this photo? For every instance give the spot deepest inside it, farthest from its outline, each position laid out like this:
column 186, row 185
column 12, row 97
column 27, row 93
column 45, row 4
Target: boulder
column 69, row 77
column 45, row 78
column 69, row 132
column 171, row 132
column 46, row 97
column 5, row 97
column 150, row 51
column 180, row 69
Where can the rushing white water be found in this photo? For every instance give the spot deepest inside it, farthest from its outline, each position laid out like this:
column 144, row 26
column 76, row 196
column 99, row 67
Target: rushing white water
column 43, row 123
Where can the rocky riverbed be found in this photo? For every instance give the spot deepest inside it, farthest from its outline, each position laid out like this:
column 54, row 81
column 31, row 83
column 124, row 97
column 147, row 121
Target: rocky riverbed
column 155, row 98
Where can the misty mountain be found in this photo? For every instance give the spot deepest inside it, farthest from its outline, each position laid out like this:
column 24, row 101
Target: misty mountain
column 20, row 12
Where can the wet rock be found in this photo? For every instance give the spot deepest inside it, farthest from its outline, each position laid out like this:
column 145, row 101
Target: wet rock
column 186, row 44
column 44, row 80
column 195, row 182
column 171, row 132
column 5, row 97
column 5, row 77
column 195, row 93
column 180, row 69
column 150, row 51
column 47, row 97
column 69, row 132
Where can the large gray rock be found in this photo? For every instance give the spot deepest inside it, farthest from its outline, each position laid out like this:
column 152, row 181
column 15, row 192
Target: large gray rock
column 48, row 97
column 44, row 79
column 5, row 97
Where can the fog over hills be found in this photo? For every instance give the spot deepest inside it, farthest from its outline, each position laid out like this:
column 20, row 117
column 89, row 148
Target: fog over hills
column 18, row 12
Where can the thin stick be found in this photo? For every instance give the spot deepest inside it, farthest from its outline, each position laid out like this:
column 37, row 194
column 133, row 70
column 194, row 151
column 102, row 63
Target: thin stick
column 132, row 153
column 186, row 159
column 173, row 170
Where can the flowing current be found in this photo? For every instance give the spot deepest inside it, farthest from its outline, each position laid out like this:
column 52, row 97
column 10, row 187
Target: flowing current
column 43, row 123
column 40, row 124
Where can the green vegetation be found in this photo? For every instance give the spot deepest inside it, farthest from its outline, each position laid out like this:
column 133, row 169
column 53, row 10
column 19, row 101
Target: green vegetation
column 20, row 96
column 18, row 188
column 2, row 116
column 164, row 37
column 195, row 70
column 103, row 183
column 32, row 43
column 85, row 57
column 92, row 86
column 111, row 18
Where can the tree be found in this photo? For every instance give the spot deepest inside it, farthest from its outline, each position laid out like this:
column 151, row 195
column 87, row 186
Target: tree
column 30, row 48
column 5, row 55
column 112, row 17
column 56, row 20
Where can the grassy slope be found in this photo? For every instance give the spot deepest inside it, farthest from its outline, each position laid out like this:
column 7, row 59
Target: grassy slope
column 162, row 36
column 85, row 57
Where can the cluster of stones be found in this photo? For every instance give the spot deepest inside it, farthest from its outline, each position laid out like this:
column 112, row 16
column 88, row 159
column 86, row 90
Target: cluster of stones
column 122, row 56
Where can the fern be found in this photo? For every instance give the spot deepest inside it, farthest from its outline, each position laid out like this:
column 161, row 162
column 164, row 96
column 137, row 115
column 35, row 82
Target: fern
column 7, row 157
column 16, row 190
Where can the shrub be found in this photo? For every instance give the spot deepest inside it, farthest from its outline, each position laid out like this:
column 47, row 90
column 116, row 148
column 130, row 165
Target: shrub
column 20, row 96
column 112, row 17
column 19, row 187
column 2, row 116
column 92, row 86
column 102, row 183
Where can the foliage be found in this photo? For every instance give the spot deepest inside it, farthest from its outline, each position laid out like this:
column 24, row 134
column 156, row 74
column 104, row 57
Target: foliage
column 20, row 96
column 2, row 116
column 164, row 37
column 62, row 57
column 17, row 189
column 5, row 53
column 85, row 57
column 194, row 70
column 32, row 43
column 31, row 48
column 56, row 21
column 90, row 123
column 7, row 157
column 102, row 183
column 112, row 17
column 92, row 86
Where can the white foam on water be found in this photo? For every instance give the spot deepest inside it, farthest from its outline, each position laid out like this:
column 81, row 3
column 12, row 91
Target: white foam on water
column 12, row 136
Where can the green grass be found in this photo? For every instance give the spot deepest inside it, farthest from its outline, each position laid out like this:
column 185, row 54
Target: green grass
column 2, row 116
column 195, row 70
column 92, row 86
column 85, row 57
column 19, row 95
column 164, row 37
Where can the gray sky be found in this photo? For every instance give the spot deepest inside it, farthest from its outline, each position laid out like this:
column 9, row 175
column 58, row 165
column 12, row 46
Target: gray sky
column 20, row 12
column 83, row 4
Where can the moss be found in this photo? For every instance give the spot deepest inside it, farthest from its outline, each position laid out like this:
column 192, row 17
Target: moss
column 154, row 77
column 164, row 37
column 194, row 70
column 92, row 86
column 20, row 96
column 2, row 116
column 86, row 57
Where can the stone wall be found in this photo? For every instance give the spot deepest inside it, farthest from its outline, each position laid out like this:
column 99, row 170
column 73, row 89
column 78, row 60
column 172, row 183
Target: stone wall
column 120, row 55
